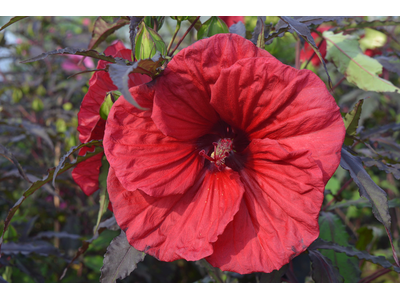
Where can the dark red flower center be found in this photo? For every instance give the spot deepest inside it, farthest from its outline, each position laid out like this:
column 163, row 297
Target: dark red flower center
column 222, row 149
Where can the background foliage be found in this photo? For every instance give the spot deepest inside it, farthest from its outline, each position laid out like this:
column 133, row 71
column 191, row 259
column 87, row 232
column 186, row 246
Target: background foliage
column 39, row 103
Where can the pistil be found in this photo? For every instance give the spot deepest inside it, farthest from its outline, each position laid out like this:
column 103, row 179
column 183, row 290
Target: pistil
column 222, row 150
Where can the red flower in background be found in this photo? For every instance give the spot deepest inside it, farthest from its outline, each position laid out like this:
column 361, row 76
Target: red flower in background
column 230, row 20
column 307, row 52
column 91, row 125
column 230, row 161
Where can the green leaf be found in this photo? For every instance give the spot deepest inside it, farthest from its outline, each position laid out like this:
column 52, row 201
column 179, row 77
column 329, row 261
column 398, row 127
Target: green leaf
column 110, row 19
column 151, row 21
column 212, row 26
column 133, row 29
column 93, row 262
column 51, row 173
column 302, row 30
column 358, row 68
column 388, row 168
column 322, row 269
column 332, row 229
column 120, row 259
column 351, row 122
column 12, row 21
column 104, row 28
column 365, row 236
column 106, row 106
column 148, row 42
column 197, row 25
column 380, row 260
column 372, row 39
column 119, row 74
column 110, row 224
column 105, row 166
column 74, row 51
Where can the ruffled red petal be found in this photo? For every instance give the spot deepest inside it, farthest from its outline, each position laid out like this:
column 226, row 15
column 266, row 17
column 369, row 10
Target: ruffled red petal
column 91, row 125
column 278, row 218
column 268, row 99
column 181, row 102
column 179, row 226
column 144, row 158
column 86, row 174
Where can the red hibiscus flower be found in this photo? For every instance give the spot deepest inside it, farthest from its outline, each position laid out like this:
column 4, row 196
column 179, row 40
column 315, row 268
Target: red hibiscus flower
column 230, row 161
column 91, row 125
column 307, row 52
column 230, row 20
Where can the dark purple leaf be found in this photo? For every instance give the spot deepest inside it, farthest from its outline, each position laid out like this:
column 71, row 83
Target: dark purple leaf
column 238, row 29
column 322, row 269
column 110, row 224
column 275, row 276
column 39, row 247
column 314, row 20
column 37, row 184
column 380, row 130
column 53, row 234
column 302, row 30
column 120, row 260
column 83, row 52
column 349, row 251
column 102, row 29
column 390, row 63
column 258, row 33
column 9, row 156
column 388, row 168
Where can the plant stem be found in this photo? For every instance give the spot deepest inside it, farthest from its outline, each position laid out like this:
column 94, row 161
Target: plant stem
column 178, row 26
column 375, row 275
column 308, row 61
column 187, row 31
column 211, row 271
column 337, row 84
column 297, row 62
column 337, row 195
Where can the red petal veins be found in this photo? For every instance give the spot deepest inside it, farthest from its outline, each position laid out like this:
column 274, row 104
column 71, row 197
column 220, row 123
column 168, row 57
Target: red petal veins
column 265, row 98
column 278, row 218
column 86, row 174
column 144, row 158
column 179, row 226
column 181, row 102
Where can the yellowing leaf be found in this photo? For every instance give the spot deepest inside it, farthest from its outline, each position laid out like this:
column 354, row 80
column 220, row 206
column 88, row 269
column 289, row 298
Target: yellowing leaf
column 359, row 69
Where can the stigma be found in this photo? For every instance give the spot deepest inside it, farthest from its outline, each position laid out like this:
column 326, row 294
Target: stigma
column 222, row 149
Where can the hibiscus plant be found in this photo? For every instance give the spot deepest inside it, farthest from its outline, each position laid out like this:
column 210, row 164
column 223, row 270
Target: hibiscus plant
column 205, row 149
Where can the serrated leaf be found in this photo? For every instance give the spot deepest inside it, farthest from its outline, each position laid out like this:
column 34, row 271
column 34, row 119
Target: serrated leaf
column 302, row 30
column 351, row 122
column 9, row 156
column 308, row 20
column 258, row 30
column 148, row 43
column 110, row 224
column 333, row 229
column 53, row 234
column 380, row 260
column 39, row 131
column 103, row 28
column 38, row 247
column 106, row 106
column 391, row 64
column 212, row 26
column 120, row 260
column 74, row 149
column 238, row 29
column 37, row 184
column 83, row 52
column 322, row 269
column 361, row 203
column 119, row 74
column 367, row 187
column 359, row 69
column 103, row 203
column 379, row 130
column 12, row 21
column 394, row 169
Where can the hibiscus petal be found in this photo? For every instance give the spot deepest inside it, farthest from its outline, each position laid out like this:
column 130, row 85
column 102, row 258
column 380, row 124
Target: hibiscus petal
column 179, row 226
column 278, row 218
column 144, row 158
column 266, row 98
column 181, row 102
column 86, row 174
